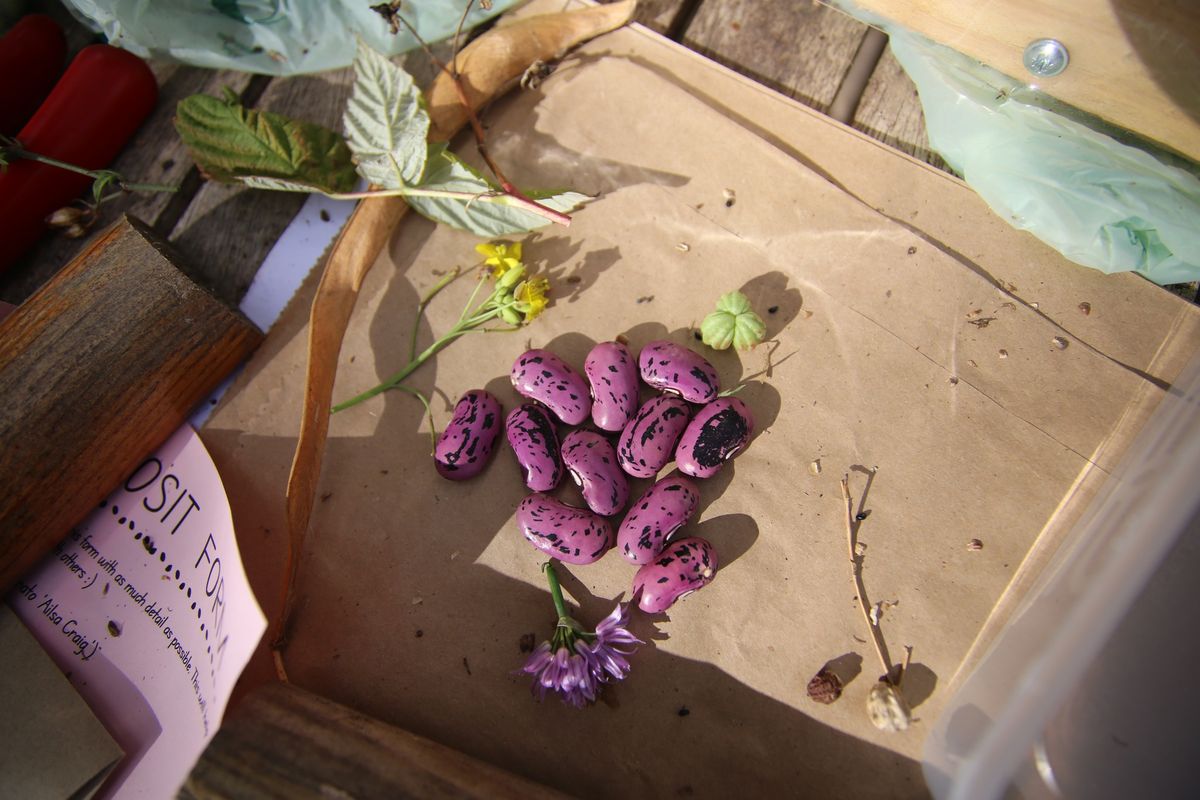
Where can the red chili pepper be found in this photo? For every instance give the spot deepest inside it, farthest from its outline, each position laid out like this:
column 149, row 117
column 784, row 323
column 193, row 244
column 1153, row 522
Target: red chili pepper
column 31, row 59
column 101, row 100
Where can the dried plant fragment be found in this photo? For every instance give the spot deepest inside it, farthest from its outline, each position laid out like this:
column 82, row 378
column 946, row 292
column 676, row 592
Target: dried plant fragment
column 825, row 687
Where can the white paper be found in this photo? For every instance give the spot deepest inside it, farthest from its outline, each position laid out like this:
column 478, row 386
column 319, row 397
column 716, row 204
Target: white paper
column 146, row 609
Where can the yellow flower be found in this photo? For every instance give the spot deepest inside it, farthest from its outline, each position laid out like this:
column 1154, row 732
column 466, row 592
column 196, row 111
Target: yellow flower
column 500, row 256
column 531, row 297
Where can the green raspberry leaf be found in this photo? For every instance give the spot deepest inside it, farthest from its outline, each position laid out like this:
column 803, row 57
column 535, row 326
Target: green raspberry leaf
column 231, row 143
column 386, row 122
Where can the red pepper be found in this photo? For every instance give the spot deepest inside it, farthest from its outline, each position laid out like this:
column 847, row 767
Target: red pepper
column 31, row 59
column 97, row 106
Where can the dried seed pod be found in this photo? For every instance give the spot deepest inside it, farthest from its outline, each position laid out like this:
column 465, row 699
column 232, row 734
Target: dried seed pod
column 887, row 707
column 825, row 686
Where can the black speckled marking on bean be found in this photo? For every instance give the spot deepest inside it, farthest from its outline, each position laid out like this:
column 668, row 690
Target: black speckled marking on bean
column 534, row 442
column 648, row 442
column 723, row 432
column 613, row 382
column 575, row 535
column 542, row 376
column 679, row 370
column 590, row 459
column 465, row 445
column 654, row 517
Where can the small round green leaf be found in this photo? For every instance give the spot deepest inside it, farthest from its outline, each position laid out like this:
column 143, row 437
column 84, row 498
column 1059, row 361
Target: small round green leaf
column 734, row 322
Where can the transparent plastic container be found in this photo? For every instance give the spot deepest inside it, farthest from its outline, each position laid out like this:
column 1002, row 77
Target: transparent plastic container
column 1090, row 689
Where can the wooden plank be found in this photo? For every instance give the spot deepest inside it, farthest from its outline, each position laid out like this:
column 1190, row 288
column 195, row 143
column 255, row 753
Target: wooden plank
column 890, row 111
column 663, row 16
column 800, row 49
column 99, row 368
column 1133, row 63
column 285, row 742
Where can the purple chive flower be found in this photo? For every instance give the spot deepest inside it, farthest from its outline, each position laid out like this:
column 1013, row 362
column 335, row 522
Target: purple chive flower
column 571, row 665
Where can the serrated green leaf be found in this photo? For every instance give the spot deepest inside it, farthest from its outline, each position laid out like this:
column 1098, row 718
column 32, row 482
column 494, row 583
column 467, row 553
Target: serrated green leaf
column 446, row 172
column 230, row 142
column 734, row 322
column 385, row 121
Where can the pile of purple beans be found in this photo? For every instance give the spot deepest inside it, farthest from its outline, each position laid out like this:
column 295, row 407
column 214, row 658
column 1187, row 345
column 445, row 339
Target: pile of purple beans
column 686, row 421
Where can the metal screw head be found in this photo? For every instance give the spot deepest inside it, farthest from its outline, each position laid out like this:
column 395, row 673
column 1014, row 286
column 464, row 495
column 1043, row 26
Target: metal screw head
column 1046, row 58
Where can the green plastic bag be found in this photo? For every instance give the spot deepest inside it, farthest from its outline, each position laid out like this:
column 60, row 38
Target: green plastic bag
column 1099, row 202
column 274, row 37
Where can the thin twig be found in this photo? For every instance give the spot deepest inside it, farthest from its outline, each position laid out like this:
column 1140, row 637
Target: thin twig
column 457, row 37
column 856, row 568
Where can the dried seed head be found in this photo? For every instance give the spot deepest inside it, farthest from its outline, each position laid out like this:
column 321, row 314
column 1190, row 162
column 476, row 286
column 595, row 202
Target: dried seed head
column 975, row 544
column 65, row 217
column 825, row 686
column 1060, row 342
column 1085, row 308
column 887, row 708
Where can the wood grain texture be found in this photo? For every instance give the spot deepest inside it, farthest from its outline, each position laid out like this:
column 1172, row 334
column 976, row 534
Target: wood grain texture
column 286, row 742
column 1133, row 62
column 890, row 111
column 98, row 369
column 800, row 49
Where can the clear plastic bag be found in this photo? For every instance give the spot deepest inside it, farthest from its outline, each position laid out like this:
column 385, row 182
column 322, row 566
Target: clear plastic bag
column 1098, row 201
column 275, row 37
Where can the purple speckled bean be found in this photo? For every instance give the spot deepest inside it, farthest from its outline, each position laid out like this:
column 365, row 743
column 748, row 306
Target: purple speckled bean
column 464, row 447
column 542, row 376
column 685, row 566
column 673, row 368
column 649, row 439
column 612, row 374
column 592, row 462
column 716, row 434
column 534, row 441
column 654, row 517
column 570, row 534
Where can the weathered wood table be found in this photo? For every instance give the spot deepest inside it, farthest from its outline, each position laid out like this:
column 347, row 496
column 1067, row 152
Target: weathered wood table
column 805, row 50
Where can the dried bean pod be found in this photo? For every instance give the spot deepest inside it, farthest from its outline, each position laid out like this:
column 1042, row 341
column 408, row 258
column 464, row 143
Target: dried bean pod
column 592, row 462
column 465, row 445
column 716, row 434
column 531, row 434
column 685, row 566
column 542, row 376
column 654, row 517
column 673, row 368
column 649, row 439
column 570, row 534
column 612, row 374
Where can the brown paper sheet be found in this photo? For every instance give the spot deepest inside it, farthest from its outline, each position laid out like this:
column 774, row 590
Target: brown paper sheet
column 415, row 592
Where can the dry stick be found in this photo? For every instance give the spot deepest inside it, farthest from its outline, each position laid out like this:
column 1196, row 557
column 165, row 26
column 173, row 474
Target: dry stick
column 477, row 129
column 856, row 568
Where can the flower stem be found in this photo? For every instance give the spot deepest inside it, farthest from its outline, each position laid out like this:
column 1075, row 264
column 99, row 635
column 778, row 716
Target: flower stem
column 555, row 590
column 428, row 412
column 442, row 284
column 16, row 151
column 409, row 368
